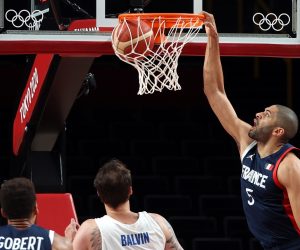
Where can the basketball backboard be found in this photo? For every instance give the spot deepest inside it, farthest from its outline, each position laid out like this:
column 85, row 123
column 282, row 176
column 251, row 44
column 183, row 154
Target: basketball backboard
column 107, row 10
column 235, row 18
column 246, row 28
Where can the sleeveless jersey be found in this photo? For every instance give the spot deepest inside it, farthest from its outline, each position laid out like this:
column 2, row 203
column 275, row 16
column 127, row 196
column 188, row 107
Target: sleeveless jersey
column 32, row 238
column 265, row 200
column 144, row 234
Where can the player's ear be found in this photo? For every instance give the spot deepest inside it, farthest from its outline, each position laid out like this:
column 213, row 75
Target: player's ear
column 3, row 214
column 36, row 209
column 35, row 213
column 278, row 131
column 130, row 191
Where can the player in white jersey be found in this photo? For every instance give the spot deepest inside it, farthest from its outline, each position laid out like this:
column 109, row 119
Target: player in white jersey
column 122, row 228
column 18, row 206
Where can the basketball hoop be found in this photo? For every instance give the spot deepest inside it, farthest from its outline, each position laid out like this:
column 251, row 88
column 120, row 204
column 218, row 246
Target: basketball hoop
column 153, row 44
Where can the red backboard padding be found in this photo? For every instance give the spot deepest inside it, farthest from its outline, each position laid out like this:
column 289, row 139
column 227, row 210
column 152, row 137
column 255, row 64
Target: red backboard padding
column 55, row 211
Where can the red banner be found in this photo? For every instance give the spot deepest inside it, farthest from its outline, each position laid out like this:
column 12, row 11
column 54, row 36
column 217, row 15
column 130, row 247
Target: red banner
column 35, row 83
column 29, row 98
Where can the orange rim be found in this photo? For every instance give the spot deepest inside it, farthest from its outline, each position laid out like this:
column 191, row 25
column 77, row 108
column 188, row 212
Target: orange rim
column 170, row 19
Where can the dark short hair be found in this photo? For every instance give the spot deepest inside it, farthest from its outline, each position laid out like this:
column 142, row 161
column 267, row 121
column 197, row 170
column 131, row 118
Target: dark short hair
column 113, row 182
column 17, row 198
column 288, row 120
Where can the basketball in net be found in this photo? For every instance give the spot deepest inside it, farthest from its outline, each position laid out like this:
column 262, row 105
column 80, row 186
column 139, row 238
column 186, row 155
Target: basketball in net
column 133, row 38
column 133, row 41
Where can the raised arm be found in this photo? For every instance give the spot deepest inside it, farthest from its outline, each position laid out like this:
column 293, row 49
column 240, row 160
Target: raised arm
column 171, row 240
column 215, row 91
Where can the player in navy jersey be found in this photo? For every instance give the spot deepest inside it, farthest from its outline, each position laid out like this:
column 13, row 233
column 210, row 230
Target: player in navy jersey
column 18, row 206
column 270, row 176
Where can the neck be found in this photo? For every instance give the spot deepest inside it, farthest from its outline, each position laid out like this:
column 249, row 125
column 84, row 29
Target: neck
column 122, row 213
column 20, row 223
column 268, row 149
column 120, row 210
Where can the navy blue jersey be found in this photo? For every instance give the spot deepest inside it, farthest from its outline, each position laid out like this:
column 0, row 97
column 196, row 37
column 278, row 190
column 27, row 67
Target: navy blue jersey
column 265, row 200
column 31, row 238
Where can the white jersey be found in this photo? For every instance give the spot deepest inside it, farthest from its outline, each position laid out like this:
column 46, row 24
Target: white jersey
column 144, row 234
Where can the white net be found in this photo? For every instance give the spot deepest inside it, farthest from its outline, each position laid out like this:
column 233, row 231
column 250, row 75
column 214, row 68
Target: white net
column 156, row 64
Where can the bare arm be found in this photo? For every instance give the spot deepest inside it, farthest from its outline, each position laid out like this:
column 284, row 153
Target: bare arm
column 65, row 243
column 171, row 240
column 289, row 176
column 61, row 243
column 215, row 91
column 88, row 237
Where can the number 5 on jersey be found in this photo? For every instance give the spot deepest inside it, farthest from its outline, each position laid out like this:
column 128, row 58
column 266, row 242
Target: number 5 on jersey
column 251, row 199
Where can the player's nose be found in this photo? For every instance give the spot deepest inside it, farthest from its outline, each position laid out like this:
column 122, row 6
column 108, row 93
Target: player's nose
column 258, row 115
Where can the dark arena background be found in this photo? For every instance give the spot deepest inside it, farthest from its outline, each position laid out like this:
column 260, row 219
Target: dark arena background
column 184, row 166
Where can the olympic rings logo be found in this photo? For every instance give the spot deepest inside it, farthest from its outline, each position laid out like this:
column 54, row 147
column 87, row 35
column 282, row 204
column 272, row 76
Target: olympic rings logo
column 271, row 21
column 31, row 20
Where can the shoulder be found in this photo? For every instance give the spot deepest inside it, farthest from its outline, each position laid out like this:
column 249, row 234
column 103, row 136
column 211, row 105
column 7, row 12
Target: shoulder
column 170, row 237
column 290, row 162
column 289, row 169
column 87, row 227
column 88, row 235
column 161, row 221
column 89, row 222
column 157, row 217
